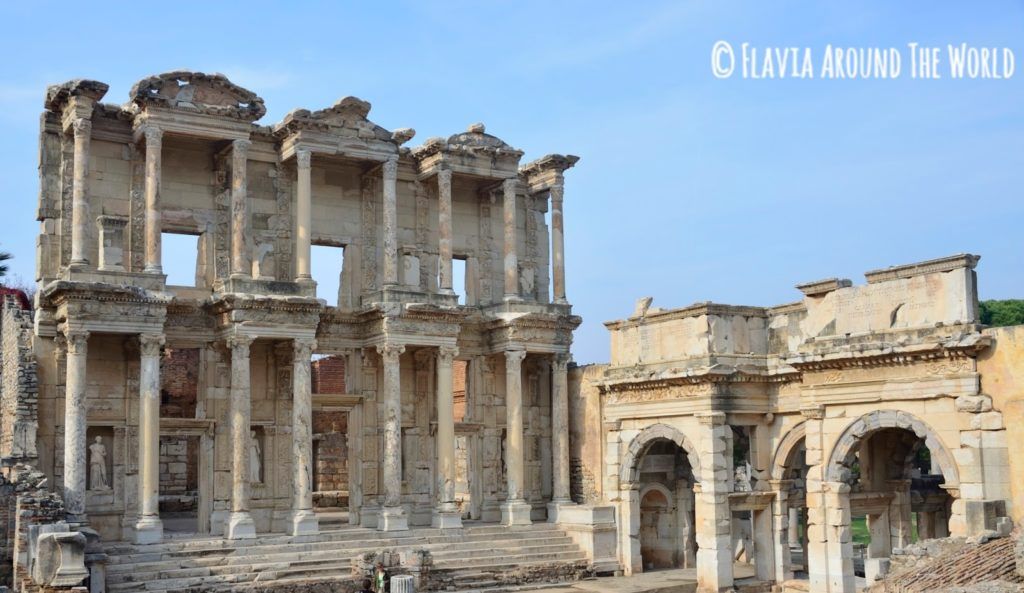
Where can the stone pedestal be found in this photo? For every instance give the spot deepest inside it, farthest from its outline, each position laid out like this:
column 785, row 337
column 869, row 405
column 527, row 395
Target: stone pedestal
column 240, row 526
column 516, row 512
column 393, row 519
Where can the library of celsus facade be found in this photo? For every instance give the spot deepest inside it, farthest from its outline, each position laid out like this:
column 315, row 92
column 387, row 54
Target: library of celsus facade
column 759, row 434
column 183, row 156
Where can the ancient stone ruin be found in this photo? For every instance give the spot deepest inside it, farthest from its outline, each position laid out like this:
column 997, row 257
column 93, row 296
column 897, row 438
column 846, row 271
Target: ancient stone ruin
column 240, row 433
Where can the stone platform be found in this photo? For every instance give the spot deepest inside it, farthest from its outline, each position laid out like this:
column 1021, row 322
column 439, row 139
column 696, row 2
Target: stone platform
column 477, row 557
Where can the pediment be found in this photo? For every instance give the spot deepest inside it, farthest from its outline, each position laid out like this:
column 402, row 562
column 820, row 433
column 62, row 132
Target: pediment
column 210, row 94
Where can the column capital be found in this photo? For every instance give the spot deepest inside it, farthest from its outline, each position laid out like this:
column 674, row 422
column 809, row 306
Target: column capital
column 446, row 354
column 153, row 135
column 150, row 344
column 77, row 341
column 711, row 418
column 390, row 352
column 241, row 146
column 81, row 126
column 239, row 344
column 813, row 411
column 557, row 191
column 444, row 180
column 509, row 185
column 390, row 166
column 560, row 362
column 515, row 357
column 303, row 158
column 303, row 348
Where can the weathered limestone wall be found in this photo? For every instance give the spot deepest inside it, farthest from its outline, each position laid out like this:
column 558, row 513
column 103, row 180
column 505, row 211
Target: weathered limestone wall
column 1002, row 378
column 586, row 437
column 19, row 391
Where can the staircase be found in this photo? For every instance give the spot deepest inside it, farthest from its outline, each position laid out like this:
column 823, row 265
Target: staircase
column 477, row 557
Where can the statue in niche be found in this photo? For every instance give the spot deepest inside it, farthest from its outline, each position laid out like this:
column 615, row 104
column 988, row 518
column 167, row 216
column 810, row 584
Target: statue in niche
column 255, row 458
column 742, row 480
column 98, row 465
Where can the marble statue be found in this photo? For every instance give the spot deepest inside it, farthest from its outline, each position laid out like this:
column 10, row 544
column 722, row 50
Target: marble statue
column 98, row 465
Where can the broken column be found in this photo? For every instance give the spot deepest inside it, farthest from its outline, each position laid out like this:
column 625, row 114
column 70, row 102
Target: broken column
column 392, row 516
column 239, row 210
column 304, row 520
column 149, row 529
column 240, row 523
column 154, row 140
column 515, row 510
column 444, row 228
column 75, row 425
column 303, row 215
column 511, row 262
column 390, row 174
column 446, row 514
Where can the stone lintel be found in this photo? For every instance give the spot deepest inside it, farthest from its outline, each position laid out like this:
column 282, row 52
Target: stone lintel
column 822, row 287
column 931, row 266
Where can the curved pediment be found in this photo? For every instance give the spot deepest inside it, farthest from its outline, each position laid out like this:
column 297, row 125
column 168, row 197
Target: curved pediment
column 476, row 137
column 347, row 116
column 211, row 94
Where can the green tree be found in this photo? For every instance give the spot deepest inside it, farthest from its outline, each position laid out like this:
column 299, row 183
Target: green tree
column 4, row 256
column 1002, row 313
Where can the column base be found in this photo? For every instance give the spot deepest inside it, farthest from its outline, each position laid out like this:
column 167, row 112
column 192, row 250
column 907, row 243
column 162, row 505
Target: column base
column 149, row 530
column 516, row 512
column 393, row 519
column 240, row 526
column 305, row 522
column 554, row 506
column 446, row 519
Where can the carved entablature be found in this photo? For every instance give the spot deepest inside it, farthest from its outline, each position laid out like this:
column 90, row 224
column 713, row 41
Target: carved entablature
column 342, row 129
column 196, row 92
column 81, row 95
column 269, row 317
column 546, row 172
column 105, row 308
column 959, row 347
column 535, row 331
column 188, row 318
column 657, row 391
column 473, row 152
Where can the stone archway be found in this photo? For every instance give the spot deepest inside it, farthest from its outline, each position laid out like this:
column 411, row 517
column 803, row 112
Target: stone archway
column 789, row 475
column 661, row 439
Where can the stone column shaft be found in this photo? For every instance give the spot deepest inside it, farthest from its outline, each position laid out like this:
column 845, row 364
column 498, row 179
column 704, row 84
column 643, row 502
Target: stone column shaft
column 560, row 428
column 149, row 528
column 154, row 223
column 511, row 264
column 239, row 209
column 304, row 520
column 714, row 531
column 444, row 227
column 515, row 511
column 75, row 426
column 446, row 514
column 240, row 524
column 392, row 516
column 557, row 244
column 82, row 129
column 390, row 174
column 303, row 215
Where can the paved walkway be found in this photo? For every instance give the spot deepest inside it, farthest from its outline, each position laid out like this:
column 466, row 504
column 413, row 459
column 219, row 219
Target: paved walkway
column 680, row 580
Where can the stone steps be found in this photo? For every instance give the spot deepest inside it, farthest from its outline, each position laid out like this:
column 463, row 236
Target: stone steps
column 475, row 557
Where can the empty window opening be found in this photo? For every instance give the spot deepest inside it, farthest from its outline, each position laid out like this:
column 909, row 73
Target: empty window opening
column 180, row 258
column 459, row 278
column 326, row 266
column 179, row 483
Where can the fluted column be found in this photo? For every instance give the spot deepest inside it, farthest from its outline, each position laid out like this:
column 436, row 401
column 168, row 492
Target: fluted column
column 304, row 520
column 82, row 130
column 303, row 215
column 390, row 173
column 558, row 243
column 446, row 514
column 515, row 511
column 240, row 267
column 561, row 495
column 392, row 516
column 149, row 529
column 444, row 227
column 511, row 259
column 154, row 225
column 75, row 425
column 240, row 524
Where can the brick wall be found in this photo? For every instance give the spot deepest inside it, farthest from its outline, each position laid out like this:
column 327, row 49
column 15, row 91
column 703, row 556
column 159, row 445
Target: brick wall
column 328, row 375
column 459, row 369
column 330, row 429
column 179, row 382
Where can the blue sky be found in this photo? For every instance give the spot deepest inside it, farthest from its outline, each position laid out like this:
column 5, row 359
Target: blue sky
column 690, row 188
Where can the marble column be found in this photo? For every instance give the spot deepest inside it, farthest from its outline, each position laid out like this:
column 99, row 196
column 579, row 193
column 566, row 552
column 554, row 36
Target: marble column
column 154, row 143
column 303, row 215
column 558, row 243
column 446, row 514
column 240, row 267
column 515, row 510
column 304, row 520
column 240, row 523
column 390, row 173
column 392, row 515
column 561, row 495
column 75, row 426
column 444, row 228
column 793, row 531
column 82, row 130
column 149, row 529
column 511, row 259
